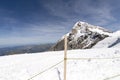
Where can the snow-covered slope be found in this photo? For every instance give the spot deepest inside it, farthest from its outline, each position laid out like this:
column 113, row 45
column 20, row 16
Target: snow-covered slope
column 112, row 41
column 82, row 36
column 94, row 64
column 102, row 62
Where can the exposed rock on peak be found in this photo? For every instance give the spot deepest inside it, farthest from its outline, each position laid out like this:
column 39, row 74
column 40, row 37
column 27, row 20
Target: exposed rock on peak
column 82, row 36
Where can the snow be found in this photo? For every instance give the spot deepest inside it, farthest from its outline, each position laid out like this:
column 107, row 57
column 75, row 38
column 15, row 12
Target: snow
column 64, row 36
column 80, row 23
column 82, row 27
column 99, row 31
column 107, row 42
column 88, row 67
column 102, row 62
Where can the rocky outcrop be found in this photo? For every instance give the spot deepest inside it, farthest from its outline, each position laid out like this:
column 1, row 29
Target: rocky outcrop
column 82, row 36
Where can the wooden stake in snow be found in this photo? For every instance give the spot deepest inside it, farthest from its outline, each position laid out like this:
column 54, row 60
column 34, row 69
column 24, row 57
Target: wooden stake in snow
column 65, row 56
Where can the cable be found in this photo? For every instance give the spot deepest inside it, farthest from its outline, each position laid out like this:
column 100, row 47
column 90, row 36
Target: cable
column 45, row 70
column 73, row 59
column 91, row 58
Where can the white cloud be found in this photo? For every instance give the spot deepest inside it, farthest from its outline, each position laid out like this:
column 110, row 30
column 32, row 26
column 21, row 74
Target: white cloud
column 47, row 29
column 60, row 8
column 100, row 14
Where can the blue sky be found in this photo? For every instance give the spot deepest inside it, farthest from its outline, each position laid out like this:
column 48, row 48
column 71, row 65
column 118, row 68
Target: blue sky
column 44, row 21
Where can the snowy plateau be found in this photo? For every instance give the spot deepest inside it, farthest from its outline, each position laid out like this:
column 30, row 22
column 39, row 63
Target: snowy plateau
column 101, row 62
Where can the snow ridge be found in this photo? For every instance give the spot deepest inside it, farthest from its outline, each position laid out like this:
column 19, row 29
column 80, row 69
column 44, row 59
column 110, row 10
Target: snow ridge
column 82, row 27
column 82, row 36
column 112, row 41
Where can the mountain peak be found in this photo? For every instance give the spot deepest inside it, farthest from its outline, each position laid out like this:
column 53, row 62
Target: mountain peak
column 82, row 36
column 84, row 27
column 81, row 26
column 80, row 23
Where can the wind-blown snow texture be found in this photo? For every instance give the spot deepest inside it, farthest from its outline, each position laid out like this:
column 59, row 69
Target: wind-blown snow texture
column 23, row 67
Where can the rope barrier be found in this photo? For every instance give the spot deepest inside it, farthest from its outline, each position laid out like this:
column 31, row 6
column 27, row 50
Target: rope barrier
column 45, row 70
column 112, row 77
column 72, row 59
column 91, row 58
column 97, row 59
column 65, row 62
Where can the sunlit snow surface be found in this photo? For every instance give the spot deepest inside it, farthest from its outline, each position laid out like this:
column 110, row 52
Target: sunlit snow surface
column 112, row 41
column 25, row 66
column 102, row 62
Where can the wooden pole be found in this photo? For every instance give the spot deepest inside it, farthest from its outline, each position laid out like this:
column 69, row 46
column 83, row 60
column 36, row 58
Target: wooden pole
column 65, row 57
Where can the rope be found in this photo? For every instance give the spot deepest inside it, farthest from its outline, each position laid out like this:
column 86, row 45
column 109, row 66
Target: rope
column 74, row 59
column 45, row 70
column 91, row 58
column 112, row 77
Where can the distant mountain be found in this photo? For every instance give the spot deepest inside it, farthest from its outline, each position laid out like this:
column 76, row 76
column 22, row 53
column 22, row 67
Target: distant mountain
column 25, row 49
column 82, row 36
